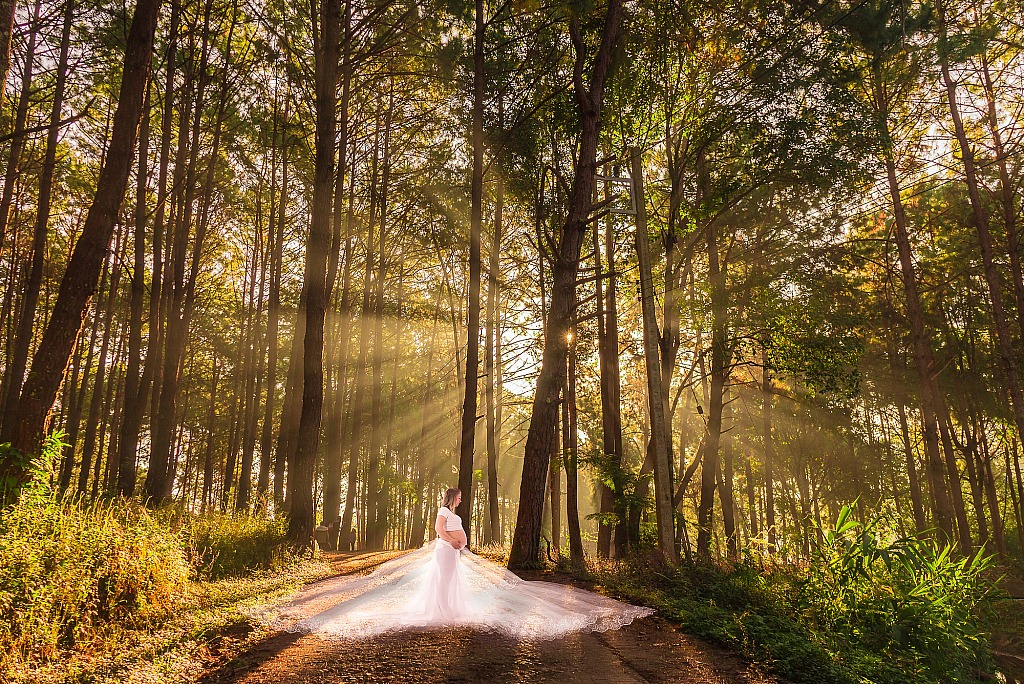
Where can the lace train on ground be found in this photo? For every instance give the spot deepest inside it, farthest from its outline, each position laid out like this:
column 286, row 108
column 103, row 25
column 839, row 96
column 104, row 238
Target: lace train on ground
column 402, row 595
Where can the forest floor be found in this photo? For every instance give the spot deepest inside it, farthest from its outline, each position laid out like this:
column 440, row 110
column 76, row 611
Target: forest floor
column 1008, row 639
column 649, row 650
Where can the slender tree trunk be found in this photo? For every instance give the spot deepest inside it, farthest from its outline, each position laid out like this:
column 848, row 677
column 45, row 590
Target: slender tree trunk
column 127, row 450
column 492, row 370
column 333, row 433
column 725, row 486
column 571, row 452
column 23, row 338
column 656, row 400
column 293, row 379
column 719, row 364
column 611, row 414
column 356, row 406
column 300, row 481
column 14, row 373
column 376, row 490
column 769, row 453
column 924, row 359
column 467, row 439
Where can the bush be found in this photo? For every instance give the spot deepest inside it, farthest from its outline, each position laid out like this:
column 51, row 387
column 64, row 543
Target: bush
column 863, row 610
column 219, row 545
column 912, row 598
column 70, row 573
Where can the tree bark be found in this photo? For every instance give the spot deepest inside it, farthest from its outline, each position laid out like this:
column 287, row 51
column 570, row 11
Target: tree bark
column 14, row 373
column 924, row 358
column 656, row 400
column 492, row 370
column 467, row 440
column 23, row 338
column 719, row 364
column 544, row 413
column 300, row 482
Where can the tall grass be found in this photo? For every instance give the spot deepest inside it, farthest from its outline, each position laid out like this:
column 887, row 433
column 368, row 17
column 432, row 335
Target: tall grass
column 70, row 572
column 219, row 546
column 867, row 608
column 75, row 575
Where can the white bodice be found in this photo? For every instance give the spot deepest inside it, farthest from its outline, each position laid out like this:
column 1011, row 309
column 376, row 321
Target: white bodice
column 452, row 521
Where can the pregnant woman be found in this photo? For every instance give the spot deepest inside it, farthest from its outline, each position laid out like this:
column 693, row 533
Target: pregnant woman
column 443, row 584
column 443, row 597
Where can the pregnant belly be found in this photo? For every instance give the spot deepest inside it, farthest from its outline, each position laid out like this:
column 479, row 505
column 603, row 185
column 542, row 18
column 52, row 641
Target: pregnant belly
column 459, row 535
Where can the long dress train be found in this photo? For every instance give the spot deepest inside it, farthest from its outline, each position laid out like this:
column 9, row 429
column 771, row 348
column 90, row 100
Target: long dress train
column 439, row 586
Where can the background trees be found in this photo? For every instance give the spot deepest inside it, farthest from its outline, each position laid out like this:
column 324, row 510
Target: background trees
column 323, row 206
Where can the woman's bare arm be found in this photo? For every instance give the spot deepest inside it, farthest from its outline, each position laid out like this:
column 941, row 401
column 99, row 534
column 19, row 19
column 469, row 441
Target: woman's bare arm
column 441, row 532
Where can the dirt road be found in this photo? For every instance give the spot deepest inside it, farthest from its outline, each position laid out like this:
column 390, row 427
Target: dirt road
column 649, row 650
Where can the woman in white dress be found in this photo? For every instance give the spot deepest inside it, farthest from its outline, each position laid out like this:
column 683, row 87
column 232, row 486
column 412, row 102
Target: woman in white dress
column 443, row 584
column 443, row 598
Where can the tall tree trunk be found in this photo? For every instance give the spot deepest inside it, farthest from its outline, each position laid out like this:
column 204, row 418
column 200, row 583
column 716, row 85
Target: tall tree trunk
column 924, row 359
column 492, row 369
column 206, row 497
column 23, row 338
column 376, row 490
column 611, row 414
column 128, row 434
column 660, row 441
column 467, row 439
column 719, row 370
column 334, row 442
column 300, row 481
column 356, row 406
column 769, row 453
column 293, row 378
column 725, row 484
column 544, row 412
column 14, row 373
column 571, row 453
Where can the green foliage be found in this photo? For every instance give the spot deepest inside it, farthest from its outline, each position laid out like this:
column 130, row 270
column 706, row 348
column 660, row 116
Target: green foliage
column 75, row 574
column 863, row 610
column 911, row 598
column 71, row 572
column 219, row 546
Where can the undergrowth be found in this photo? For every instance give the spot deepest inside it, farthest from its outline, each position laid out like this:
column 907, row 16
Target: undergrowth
column 865, row 609
column 78, row 578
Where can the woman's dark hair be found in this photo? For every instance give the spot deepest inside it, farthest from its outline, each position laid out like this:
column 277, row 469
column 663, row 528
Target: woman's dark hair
column 449, row 497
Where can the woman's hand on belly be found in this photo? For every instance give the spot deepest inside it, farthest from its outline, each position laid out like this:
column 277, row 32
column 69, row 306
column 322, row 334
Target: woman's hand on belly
column 458, row 538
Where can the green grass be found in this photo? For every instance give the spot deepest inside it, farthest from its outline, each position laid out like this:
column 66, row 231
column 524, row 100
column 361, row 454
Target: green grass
column 868, row 608
column 86, row 586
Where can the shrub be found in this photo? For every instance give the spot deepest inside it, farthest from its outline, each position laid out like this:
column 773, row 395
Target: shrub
column 911, row 597
column 219, row 545
column 70, row 572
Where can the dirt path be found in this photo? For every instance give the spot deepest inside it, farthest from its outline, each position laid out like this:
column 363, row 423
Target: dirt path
column 649, row 650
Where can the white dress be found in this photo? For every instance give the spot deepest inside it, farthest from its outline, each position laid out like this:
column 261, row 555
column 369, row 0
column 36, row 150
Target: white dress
column 440, row 586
